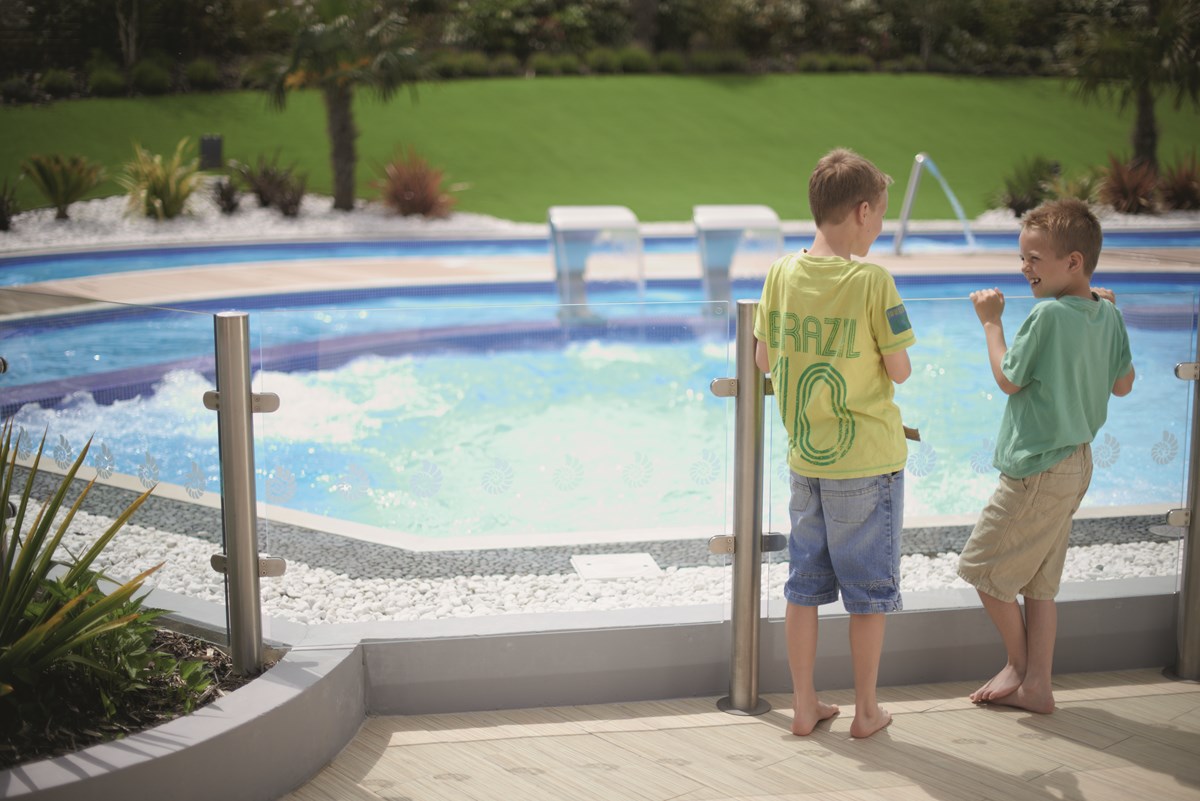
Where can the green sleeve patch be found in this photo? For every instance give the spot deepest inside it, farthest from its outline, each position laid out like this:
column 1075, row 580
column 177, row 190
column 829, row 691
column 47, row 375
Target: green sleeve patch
column 898, row 319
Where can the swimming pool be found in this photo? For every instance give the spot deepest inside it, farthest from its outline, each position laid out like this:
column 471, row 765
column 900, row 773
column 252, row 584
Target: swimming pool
column 30, row 268
column 440, row 413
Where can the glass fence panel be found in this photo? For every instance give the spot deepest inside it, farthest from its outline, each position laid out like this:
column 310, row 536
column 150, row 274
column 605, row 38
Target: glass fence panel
column 951, row 399
column 435, row 459
column 127, row 383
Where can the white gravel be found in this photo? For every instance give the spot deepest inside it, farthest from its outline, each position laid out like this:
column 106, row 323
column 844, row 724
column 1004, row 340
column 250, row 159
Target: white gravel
column 315, row 594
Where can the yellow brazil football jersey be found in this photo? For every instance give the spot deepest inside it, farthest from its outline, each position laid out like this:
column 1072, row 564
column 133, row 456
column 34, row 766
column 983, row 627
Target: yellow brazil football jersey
column 827, row 321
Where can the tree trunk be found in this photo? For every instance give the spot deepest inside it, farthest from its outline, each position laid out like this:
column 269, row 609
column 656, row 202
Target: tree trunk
column 343, row 159
column 1145, row 129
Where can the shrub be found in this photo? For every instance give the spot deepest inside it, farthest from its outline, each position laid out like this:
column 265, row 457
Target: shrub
column 446, row 64
column 226, row 194
column 58, row 83
column 257, row 73
column 813, row 62
column 1129, row 188
column 203, row 74
column 909, row 63
column 1028, row 184
column 411, row 186
column 671, row 61
column 289, row 194
column 1179, row 184
column 16, row 90
column 544, row 64
column 703, row 61
column 62, row 181
column 475, row 65
column 8, row 204
column 157, row 189
column 603, row 60
column 106, row 81
column 1083, row 186
column 840, row 62
column 506, row 64
column 568, row 64
column 714, row 61
column 150, row 78
column 264, row 178
column 635, row 60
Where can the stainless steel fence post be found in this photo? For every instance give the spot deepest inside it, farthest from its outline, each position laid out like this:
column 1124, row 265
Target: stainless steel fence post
column 235, row 433
column 747, row 522
column 1188, row 638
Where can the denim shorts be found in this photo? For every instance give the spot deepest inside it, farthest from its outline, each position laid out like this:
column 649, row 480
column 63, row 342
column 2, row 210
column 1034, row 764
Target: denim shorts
column 846, row 534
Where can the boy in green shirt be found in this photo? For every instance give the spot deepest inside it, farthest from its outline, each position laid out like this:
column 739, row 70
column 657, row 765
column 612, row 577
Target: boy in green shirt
column 832, row 332
column 1068, row 357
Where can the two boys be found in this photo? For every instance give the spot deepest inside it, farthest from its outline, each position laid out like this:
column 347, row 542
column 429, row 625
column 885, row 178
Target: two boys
column 833, row 333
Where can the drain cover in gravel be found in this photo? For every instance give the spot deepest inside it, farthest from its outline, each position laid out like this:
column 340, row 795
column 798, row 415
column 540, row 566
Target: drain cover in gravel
column 616, row 566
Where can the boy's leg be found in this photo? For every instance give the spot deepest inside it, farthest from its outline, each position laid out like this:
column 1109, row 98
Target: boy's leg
column 1024, row 681
column 1034, row 692
column 866, row 647
column 1006, row 617
column 808, row 710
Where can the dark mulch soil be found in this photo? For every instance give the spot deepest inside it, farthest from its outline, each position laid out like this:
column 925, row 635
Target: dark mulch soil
column 138, row 713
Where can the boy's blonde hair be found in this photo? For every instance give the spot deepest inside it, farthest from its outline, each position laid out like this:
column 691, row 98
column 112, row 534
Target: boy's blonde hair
column 841, row 180
column 1071, row 227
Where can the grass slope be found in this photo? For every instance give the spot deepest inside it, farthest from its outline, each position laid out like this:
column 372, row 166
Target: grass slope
column 658, row 144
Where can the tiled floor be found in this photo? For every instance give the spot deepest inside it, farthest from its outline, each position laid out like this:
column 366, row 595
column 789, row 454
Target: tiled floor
column 1128, row 735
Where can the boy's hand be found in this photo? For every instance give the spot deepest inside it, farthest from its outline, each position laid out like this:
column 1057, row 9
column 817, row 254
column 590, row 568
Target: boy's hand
column 1104, row 294
column 989, row 305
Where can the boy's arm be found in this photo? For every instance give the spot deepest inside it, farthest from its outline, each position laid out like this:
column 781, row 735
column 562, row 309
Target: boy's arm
column 898, row 366
column 1124, row 385
column 761, row 357
column 989, row 306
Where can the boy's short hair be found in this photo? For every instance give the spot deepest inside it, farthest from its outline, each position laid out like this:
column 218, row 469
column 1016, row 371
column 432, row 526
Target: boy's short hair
column 1070, row 226
column 841, row 180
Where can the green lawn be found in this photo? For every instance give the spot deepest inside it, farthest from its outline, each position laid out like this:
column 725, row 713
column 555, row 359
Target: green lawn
column 658, row 144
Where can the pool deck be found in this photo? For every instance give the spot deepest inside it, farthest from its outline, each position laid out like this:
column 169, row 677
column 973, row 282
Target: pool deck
column 163, row 287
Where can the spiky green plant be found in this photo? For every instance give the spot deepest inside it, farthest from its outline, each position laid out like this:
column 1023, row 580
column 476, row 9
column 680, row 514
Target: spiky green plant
column 48, row 615
column 1028, row 184
column 62, row 180
column 8, row 204
column 160, row 189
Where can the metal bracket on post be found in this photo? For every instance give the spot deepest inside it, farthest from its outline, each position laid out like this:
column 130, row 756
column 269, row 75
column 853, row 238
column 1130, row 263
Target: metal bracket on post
column 268, row 566
column 1187, row 665
column 260, row 403
column 748, row 389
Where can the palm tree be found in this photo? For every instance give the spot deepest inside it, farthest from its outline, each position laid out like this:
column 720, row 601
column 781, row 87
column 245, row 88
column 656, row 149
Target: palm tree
column 339, row 45
column 1136, row 50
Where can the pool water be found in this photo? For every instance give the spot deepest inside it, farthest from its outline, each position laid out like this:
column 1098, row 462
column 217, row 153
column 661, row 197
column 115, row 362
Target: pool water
column 25, row 269
column 444, row 418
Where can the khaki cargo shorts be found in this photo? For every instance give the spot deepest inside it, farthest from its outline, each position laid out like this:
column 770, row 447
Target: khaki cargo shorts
column 1019, row 545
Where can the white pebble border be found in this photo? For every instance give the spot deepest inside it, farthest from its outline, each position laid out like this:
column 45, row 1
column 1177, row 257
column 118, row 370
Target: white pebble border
column 314, row 595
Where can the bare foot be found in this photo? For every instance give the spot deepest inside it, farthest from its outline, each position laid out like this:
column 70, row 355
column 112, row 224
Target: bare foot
column 866, row 725
column 804, row 721
column 1041, row 702
column 1000, row 685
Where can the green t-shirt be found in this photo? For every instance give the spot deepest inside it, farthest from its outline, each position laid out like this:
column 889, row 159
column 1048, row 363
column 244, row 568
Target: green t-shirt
column 827, row 322
column 1066, row 357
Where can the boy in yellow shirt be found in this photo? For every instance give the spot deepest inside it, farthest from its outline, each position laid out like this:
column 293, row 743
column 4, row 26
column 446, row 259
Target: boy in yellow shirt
column 833, row 333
